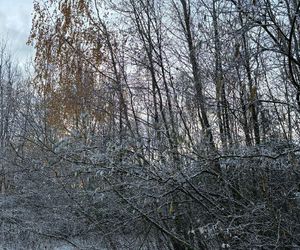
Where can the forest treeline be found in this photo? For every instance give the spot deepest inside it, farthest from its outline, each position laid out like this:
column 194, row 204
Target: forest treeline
column 154, row 124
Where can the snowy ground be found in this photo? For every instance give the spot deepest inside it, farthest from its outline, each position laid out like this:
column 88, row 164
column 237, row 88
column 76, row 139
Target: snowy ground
column 22, row 229
column 45, row 246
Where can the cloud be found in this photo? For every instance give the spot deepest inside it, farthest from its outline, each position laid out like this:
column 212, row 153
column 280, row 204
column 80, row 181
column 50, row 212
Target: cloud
column 15, row 24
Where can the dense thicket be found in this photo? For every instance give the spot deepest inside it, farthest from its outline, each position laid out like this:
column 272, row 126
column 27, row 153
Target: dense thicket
column 156, row 124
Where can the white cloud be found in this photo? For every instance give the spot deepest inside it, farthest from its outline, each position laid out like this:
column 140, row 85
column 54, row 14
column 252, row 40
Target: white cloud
column 15, row 24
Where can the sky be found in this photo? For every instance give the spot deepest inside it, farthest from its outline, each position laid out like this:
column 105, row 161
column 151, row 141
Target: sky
column 15, row 24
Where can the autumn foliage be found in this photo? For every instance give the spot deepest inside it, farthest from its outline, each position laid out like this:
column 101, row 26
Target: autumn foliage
column 69, row 59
